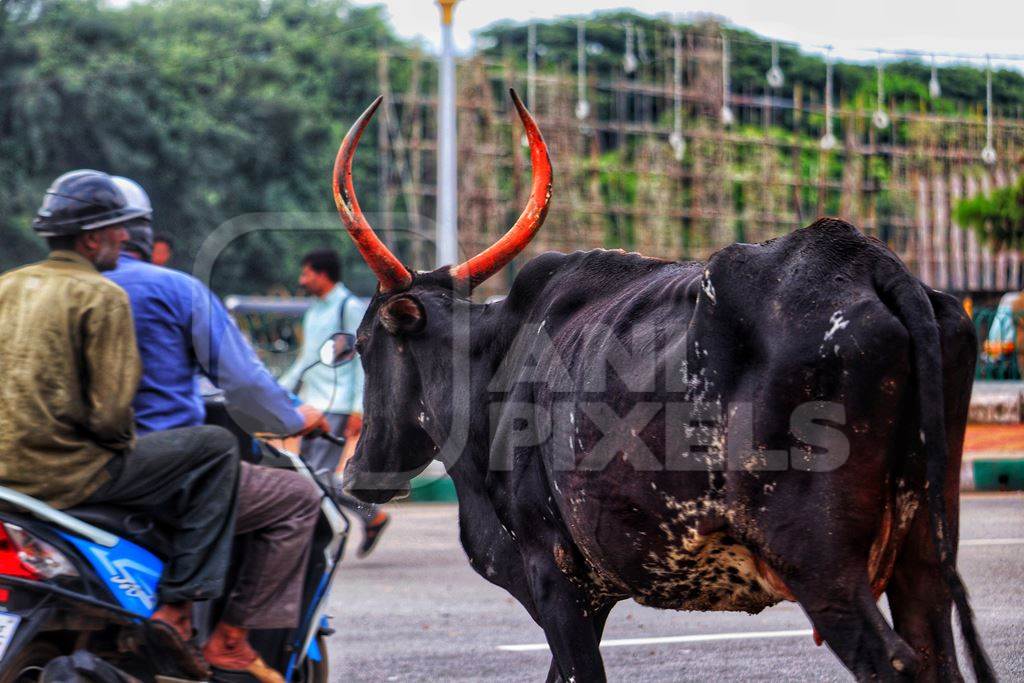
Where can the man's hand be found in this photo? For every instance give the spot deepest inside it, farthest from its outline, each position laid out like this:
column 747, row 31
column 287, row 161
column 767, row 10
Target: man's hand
column 354, row 426
column 313, row 419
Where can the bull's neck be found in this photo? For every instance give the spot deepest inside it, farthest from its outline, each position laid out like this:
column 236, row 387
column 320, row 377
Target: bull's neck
column 487, row 334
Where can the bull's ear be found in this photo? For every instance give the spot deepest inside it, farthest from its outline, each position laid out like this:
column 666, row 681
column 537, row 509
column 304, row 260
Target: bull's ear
column 404, row 314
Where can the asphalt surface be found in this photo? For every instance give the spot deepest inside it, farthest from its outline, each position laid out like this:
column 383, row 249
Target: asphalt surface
column 415, row 611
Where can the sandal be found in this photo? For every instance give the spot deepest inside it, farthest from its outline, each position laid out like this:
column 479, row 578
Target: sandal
column 371, row 535
column 258, row 669
column 165, row 639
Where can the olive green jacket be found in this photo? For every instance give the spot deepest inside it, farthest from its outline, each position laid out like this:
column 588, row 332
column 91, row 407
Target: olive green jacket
column 69, row 368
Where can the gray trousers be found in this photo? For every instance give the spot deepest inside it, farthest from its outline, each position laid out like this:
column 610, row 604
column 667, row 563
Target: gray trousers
column 324, row 456
column 185, row 479
column 277, row 511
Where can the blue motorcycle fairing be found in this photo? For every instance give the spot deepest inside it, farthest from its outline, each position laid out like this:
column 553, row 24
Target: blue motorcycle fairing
column 303, row 629
column 314, row 646
column 314, row 651
column 130, row 572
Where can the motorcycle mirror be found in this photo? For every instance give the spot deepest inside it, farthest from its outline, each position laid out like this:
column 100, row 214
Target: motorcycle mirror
column 338, row 350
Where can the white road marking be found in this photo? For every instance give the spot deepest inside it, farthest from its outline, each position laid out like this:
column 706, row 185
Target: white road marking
column 992, row 541
column 698, row 638
column 741, row 635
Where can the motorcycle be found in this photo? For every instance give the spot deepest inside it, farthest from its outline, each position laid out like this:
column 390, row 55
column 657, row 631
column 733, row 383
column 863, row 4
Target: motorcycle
column 84, row 581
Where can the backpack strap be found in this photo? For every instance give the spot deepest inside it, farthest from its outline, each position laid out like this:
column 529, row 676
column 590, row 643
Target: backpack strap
column 341, row 313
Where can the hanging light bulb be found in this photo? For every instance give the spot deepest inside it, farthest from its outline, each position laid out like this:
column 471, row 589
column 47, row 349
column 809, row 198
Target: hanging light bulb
column 934, row 89
column 678, row 144
column 726, row 113
column 676, row 139
column 828, row 140
column 880, row 117
column 641, row 46
column 988, row 154
column 531, row 74
column 582, row 106
column 774, row 74
column 629, row 60
column 531, row 66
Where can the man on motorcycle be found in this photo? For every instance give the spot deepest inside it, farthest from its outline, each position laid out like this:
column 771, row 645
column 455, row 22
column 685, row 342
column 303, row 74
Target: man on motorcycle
column 183, row 329
column 70, row 369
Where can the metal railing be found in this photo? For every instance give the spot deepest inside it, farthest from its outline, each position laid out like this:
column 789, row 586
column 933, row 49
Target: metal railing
column 273, row 326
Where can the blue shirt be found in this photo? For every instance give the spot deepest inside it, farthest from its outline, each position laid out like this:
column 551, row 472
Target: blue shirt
column 183, row 329
column 329, row 390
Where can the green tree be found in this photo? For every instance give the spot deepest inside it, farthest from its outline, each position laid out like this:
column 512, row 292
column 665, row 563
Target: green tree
column 998, row 217
column 219, row 109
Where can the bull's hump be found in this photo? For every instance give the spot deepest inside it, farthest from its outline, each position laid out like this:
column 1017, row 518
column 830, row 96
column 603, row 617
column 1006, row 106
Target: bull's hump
column 615, row 263
column 596, row 267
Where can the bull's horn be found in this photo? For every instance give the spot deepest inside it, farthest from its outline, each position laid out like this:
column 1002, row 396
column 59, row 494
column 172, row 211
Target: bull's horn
column 389, row 270
column 494, row 258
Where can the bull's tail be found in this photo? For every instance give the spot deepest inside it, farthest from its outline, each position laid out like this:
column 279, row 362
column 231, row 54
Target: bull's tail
column 906, row 297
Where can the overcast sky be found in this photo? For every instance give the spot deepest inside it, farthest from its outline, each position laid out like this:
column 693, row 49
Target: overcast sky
column 854, row 28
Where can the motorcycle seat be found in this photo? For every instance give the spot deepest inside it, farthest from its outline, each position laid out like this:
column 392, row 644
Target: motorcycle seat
column 133, row 525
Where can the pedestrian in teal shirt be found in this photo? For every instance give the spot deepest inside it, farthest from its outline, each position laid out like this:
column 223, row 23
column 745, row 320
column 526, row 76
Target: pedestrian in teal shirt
column 329, row 390
column 337, row 392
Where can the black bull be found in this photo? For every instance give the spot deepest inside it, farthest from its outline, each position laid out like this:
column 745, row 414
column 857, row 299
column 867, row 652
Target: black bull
column 784, row 421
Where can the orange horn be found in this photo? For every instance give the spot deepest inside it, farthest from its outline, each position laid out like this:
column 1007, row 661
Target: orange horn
column 494, row 258
column 389, row 270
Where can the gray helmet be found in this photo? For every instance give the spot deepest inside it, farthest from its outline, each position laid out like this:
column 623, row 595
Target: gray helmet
column 140, row 229
column 84, row 200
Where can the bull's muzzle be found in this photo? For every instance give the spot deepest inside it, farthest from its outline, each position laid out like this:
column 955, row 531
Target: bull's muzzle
column 376, row 488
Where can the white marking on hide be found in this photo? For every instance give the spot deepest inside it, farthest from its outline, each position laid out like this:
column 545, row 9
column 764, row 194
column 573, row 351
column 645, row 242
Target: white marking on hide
column 709, row 289
column 838, row 323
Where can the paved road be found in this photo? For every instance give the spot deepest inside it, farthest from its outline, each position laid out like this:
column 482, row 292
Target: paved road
column 415, row 611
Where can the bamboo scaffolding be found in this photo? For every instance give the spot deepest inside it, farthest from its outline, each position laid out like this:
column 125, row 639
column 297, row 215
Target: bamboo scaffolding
column 618, row 183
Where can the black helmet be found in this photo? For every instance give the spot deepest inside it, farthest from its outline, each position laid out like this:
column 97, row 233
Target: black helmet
column 140, row 230
column 84, row 200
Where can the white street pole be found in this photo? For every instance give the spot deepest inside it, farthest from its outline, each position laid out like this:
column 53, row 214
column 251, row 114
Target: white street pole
column 447, row 151
column 531, row 67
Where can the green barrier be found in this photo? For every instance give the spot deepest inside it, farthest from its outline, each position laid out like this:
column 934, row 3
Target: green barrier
column 433, row 490
column 998, row 475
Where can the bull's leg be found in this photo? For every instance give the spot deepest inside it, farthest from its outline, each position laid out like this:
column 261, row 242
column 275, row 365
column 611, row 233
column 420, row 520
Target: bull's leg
column 840, row 605
column 918, row 597
column 568, row 620
column 600, row 618
column 922, row 607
